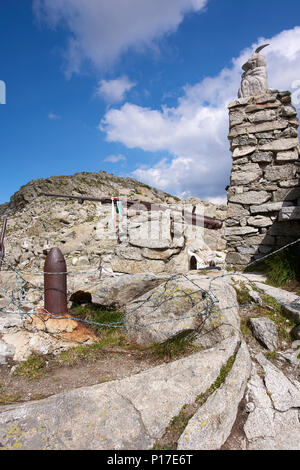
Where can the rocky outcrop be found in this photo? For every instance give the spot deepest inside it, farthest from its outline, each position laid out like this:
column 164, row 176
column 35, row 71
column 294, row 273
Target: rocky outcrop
column 265, row 190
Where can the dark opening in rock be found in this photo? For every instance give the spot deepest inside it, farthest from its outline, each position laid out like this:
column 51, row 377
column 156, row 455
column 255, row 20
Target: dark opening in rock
column 193, row 263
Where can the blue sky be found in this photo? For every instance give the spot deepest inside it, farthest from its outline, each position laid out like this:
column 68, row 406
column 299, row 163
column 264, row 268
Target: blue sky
column 134, row 87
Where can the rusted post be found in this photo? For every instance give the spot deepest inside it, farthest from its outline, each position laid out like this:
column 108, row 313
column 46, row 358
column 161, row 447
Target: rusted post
column 2, row 249
column 55, row 283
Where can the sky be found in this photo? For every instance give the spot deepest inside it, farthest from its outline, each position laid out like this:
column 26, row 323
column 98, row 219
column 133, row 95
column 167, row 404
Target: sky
column 137, row 88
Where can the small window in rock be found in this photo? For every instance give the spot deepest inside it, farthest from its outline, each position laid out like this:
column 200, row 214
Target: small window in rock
column 193, row 263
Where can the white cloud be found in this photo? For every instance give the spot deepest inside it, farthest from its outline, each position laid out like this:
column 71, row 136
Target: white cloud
column 53, row 116
column 114, row 158
column 101, row 30
column 113, row 91
column 195, row 132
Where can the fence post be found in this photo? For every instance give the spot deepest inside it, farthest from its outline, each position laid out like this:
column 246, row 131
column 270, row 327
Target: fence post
column 55, row 283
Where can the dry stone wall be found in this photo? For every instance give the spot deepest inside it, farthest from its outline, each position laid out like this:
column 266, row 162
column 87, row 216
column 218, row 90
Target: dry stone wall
column 264, row 193
column 142, row 241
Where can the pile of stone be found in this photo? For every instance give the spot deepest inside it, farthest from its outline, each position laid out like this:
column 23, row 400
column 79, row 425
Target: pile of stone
column 142, row 242
column 265, row 176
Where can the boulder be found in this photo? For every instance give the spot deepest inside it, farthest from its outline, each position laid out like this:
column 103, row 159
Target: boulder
column 265, row 331
column 185, row 303
column 169, row 309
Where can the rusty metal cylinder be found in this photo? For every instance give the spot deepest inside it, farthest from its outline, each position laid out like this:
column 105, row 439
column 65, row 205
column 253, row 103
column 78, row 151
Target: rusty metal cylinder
column 55, row 283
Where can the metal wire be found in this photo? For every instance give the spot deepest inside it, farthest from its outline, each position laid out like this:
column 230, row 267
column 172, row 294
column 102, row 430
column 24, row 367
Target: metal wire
column 205, row 306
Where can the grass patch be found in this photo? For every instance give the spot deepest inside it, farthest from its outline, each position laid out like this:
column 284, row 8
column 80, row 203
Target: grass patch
column 111, row 337
column 280, row 269
column 175, row 429
column 175, row 347
column 94, row 313
column 225, row 369
column 6, row 399
column 109, row 332
column 222, row 376
column 271, row 355
column 32, row 368
column 246, row 331
column 242, row 293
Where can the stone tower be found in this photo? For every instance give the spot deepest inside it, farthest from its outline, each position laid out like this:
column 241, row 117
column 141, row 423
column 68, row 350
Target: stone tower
column 264, row 193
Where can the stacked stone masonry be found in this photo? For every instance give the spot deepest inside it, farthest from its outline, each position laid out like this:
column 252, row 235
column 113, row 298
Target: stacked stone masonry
column 264, row 193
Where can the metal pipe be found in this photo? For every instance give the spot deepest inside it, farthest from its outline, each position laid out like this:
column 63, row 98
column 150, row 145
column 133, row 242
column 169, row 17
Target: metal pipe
column 190, row 218
column 55, row 283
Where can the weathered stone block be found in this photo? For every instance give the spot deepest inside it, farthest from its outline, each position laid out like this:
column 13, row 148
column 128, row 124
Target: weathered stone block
column 236, row 210
column 287, row 156
column 250, row 197
column 245, row 177
column 259, row 221
column 236, row 117
column 283, row 172
column 281, row 144
column 240, row 230
column 244, row 140
column 242, row 151
column 271, row 207
column 263, row 116
column 238, row 258
column 289, row 183
column 254, row 128
column 262, row 157
column 289, row 111
column 265, row 331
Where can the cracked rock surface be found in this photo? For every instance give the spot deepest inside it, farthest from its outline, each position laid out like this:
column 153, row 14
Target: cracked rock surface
column 124, row 414
column 273, row 423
